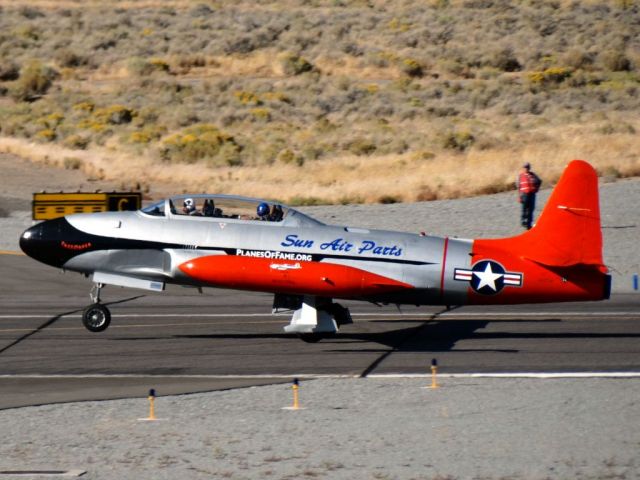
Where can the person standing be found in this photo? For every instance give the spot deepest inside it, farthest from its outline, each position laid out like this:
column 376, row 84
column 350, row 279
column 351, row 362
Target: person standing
column 528, row 185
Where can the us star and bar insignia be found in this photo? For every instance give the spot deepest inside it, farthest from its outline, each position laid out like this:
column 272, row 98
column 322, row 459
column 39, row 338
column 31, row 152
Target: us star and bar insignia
column 488, row 277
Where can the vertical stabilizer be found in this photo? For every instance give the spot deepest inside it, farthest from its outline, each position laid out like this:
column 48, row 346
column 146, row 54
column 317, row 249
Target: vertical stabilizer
column 568, row 231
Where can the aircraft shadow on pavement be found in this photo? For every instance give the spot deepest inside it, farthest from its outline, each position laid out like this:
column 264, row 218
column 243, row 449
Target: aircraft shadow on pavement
column 428, row 336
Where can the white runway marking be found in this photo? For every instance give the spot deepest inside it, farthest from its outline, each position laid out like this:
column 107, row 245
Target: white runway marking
column 379, row 376
column 394, row 315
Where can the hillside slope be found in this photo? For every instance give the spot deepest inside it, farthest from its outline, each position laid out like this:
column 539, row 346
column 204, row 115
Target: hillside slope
column 347, row 101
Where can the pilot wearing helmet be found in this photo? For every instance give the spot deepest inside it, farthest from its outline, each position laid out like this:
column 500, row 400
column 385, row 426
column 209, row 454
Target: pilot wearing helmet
column 189, row 207
column 263, row 211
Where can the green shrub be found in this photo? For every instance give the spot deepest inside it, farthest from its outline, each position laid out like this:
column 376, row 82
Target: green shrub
column 51, row 121
column 48, row 135
column 294, row 64
column 276, row 97
column 186, row 62
column 578, row 58
column 9, row 70
column 230, row 154
column 361, row 147
column 247, row 98
column 199, row 142
column 34, row 81
column 551, row 75
column 398, row 25
column 30, row 13
column 72, row 163
column 412, row 68
column 388, row 199
column 159, row 65
column 114, row 115
column 505, row 60
column 141, row 67
column 459, row 141
column 27, row 32
column 69, row 59
column 312, row 152
column 261, row 114
column 84, row 107
column 423, row 155
column 624, row 4
column 147, row 134
column 615, row 61
column 289, row 156
column 350, row 200
column 76, row 142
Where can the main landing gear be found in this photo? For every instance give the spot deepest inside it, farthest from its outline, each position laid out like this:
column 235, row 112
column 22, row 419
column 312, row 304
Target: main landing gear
column 96, row 317
column 317, row 318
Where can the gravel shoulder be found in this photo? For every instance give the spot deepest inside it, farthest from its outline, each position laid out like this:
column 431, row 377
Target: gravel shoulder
column 350, row 428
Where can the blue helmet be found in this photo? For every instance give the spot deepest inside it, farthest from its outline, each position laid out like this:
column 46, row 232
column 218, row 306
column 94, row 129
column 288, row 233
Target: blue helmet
column 263, row 209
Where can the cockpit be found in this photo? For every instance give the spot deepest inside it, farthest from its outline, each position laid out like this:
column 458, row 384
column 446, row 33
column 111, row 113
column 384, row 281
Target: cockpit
column 227, row 208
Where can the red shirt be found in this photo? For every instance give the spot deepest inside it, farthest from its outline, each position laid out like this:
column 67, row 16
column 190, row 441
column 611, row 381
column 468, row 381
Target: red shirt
column 528, row 182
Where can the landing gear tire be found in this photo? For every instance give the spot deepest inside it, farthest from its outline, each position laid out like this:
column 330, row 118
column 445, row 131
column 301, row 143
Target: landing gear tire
column 96, row 317
column 310, row 337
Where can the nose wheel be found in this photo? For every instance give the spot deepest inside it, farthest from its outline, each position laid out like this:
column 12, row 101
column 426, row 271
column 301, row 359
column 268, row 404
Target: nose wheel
column 96, row 317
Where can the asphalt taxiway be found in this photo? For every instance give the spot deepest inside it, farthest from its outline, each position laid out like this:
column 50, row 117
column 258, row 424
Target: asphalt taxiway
column 182, row 341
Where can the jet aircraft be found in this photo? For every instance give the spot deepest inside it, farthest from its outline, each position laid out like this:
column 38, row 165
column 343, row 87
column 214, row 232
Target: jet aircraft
column 250, row 244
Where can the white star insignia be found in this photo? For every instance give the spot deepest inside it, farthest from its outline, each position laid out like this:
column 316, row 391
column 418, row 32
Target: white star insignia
column 487, row 278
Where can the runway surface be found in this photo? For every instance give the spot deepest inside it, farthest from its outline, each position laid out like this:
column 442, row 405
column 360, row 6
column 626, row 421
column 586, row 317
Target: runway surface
column 181, row 341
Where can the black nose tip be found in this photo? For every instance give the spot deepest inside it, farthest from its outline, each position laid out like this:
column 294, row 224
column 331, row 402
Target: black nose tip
column 42, row 242
column 54, row 242
column 30, row 239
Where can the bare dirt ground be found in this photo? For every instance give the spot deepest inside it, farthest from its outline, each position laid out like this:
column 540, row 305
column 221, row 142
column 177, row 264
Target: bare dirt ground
column 21, row 178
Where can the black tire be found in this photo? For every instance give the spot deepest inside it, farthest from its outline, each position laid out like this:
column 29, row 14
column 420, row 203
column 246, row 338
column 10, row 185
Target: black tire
column 310, row 337
column 96, row 318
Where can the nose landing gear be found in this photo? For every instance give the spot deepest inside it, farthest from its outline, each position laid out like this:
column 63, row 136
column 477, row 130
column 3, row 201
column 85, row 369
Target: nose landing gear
column 96, row 317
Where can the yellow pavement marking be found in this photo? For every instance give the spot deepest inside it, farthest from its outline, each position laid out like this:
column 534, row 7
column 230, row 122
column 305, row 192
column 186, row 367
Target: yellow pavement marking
column 10, row 252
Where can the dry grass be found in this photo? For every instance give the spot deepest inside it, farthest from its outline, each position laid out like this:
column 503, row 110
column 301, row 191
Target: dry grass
column 364, row 179
column 355, row 101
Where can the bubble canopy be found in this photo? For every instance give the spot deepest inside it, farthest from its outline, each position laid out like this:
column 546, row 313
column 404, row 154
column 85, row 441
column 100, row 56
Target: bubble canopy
column 227, row 208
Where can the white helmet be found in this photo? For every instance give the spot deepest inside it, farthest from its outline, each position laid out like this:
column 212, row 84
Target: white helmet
column 189, row 205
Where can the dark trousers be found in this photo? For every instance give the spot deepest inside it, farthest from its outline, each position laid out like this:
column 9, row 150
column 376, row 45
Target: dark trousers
column 528, row 202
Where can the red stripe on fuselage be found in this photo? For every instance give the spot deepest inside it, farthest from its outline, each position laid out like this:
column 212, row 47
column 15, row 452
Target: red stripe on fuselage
column 444, row 265
column 287, row 276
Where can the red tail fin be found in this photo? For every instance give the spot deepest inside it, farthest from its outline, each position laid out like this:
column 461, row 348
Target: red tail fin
column 568, row 230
